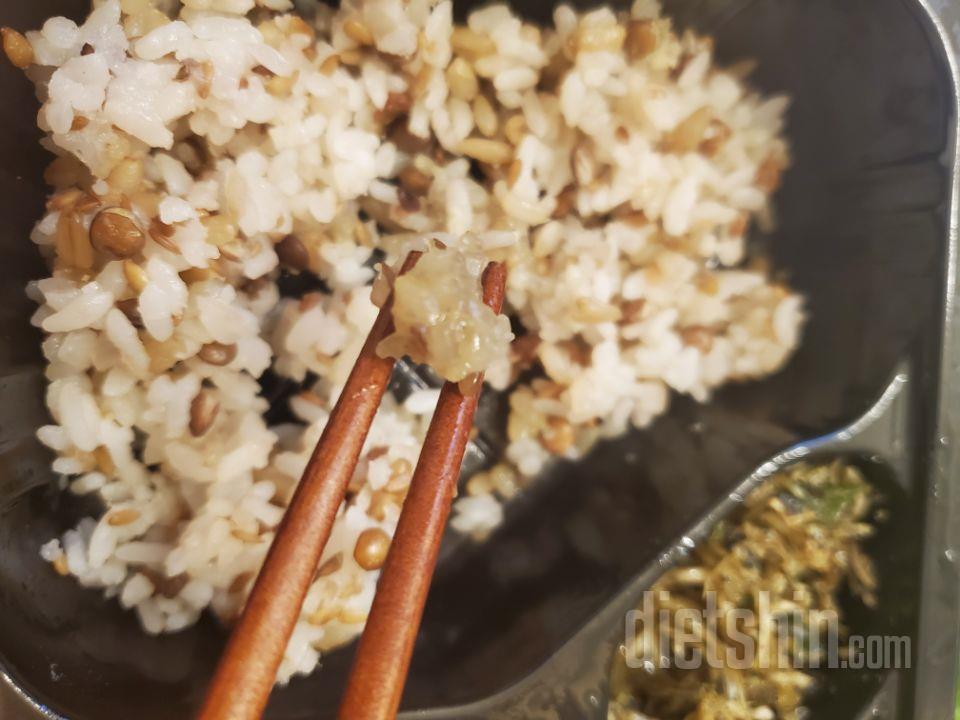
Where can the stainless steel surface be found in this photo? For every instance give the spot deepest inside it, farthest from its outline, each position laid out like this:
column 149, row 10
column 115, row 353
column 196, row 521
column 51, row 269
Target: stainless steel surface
column 11, row 706
column 14, row 706
column 938, row 639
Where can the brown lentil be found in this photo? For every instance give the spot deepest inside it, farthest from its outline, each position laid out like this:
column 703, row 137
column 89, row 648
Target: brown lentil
column 371, row 549
column 218, row 354
column 203, row 412
column 114, row 230
column 293, row 253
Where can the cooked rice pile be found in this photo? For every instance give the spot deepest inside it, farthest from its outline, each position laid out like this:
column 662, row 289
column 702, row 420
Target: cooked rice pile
column 196, row 156
column 798, row 538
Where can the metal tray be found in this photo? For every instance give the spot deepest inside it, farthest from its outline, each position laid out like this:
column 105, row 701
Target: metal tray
column 524, row 626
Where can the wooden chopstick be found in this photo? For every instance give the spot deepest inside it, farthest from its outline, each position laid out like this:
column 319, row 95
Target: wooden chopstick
column 386, row 646
column 248, row 668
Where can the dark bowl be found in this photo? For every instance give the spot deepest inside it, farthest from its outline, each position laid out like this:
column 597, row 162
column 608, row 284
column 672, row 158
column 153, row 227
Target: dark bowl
column 863, row 219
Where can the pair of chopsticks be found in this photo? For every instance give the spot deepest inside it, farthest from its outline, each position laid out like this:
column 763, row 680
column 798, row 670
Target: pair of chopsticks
column 247, row 671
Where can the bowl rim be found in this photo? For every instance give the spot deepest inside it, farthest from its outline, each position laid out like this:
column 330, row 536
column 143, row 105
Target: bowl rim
column 938, row 636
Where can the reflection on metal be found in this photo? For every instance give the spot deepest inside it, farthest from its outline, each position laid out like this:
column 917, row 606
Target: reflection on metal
column 881, row 432
column 937, row 638
column 884, row 409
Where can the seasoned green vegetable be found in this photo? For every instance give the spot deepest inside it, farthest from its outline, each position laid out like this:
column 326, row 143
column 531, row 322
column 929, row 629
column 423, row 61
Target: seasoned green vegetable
column 791, row 547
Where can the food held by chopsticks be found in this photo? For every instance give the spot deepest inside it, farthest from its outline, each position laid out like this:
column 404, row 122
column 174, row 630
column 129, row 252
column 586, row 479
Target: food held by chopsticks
column 439, row 315
column 209, row 150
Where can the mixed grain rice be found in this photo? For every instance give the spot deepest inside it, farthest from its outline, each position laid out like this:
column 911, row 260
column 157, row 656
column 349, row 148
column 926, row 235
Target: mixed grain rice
column 202, row 145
